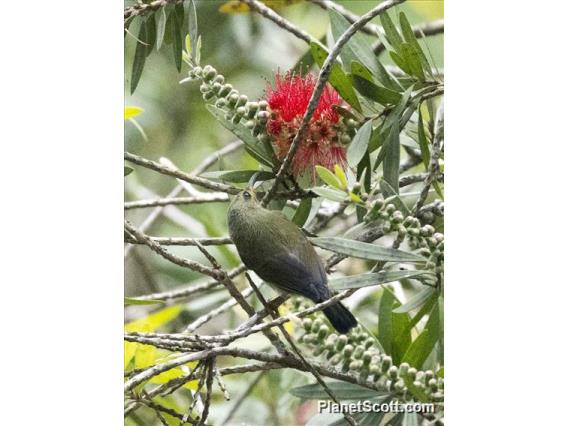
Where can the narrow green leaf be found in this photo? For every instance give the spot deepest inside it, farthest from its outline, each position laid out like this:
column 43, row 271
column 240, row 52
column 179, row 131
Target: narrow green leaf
column 342, row 390
column 422, row 141
column 391, row 32
column 316, row 204
column 401, row 62
column 370, row 279
column 132, row 111
column 393, row 334
column 358, row 146
column 412, row 60
column 418, row 300
column 150, row 33
column 401, row 334
column 358, row 48
column 328, row 177
column 385, row 320
column 161, row 27
column 422, row 346
column 375, row 93
column 337, row 78
column 238, row 176
column 329, row 193
column 127, row 170
column 302, row 212
column 410, row 38
column 424, row 310
column 192, row 27
column 134, row 301
column 391, row 163
column 340, row 175
column 139, row 59
column 364, row 250
column 177, row 34
column 244, row 134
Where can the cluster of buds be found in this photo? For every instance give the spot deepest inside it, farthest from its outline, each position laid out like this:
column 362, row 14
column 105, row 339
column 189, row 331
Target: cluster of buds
column 424, row 239
column 357, row 353
column 237, row 107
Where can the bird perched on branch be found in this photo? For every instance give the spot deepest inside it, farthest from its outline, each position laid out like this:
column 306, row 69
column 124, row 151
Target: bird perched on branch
column 279, row 252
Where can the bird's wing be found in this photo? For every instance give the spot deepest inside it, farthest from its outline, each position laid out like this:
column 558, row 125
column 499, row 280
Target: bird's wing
column 287, row 272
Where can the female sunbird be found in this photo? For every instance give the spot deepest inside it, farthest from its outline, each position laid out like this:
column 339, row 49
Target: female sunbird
column 279, row 252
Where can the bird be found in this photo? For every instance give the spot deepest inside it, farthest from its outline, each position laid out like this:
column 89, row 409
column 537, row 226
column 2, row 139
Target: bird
column 279, row 252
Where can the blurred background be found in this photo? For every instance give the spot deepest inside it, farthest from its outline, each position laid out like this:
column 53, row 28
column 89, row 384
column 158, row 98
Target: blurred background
column 247, row 49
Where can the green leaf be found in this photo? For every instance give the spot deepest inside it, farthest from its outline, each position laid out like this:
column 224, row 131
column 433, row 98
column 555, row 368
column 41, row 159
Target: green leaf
column 370, row 279
column 337, row 78
column 238, row 176
column 340, row 175
column 192, row 27
column 154, row 320
column 342, row 390
column 422, row 346
column 253, row 146
column 177, row 34
column 302, row 212
column 358, row 48
column 391, row 162
column 422, row 141
column 364, row 250
column 410, row 38
column 363, row 82
column 424, row 310
column 132, row 111
column 417, row 300
column 328, row 177
column 329, row 193
column 127, row 170
column 134, row 301
column 161, row 27
column 358, row 146
column 139, row 59
column 391, row 32
column 412, row 60
column 150, row 33
column 393, row 334
column 401, row 62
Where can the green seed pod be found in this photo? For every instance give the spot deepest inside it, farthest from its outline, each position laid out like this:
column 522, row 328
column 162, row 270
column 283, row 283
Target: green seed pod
column 348, row 351
column 198, row 71
column 233, row 99
column 317, row 324
column 358, row 353
column 393, row 372
column 252, row 108
column 386, row 364
column 403, row 369
column 412, row 373
column 219, row 79
column 225, row 90
column 209, row 73
column 307, row 324
column 216, row 87
column 243, row 99
column 355, row 365
column 341, row 342
column 323, row 332
column 397, row 216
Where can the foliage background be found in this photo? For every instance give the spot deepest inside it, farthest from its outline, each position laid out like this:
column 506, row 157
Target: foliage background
column 247, row 49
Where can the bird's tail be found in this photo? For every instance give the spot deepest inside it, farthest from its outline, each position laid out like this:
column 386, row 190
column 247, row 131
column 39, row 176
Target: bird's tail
column 340, row 317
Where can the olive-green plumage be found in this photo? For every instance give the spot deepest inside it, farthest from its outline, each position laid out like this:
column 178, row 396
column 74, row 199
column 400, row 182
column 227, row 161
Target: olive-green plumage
column 279, row 252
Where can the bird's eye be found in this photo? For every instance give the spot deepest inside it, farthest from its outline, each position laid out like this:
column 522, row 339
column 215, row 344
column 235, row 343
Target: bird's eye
column 246, row 195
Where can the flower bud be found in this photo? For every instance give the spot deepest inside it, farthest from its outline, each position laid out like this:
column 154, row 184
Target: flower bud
column 243, row 99
column 323, row 332
column 427, row 230
column 355, row 365
column 399, row 386
column 209, row 95
column 397, row 217
column 216, row 87
column 209, row 73
column 341, row 342
column 219, row 79
column 348, row 351
column 386, row 364
column 307, row 324
column 250, row 124
column 367, row 356
column 358, row 353
column 344, row 139
column 262, row 105
column 351, row 123
column 433, row 384
column 412, row 373
column 233, row 99
column 369, row 342
column 198, row 71
column 403, row 369
column 225, row 90
column 330, row 342
column 393, row 372
column 204, row 88
column 262, row 116
column 252, row 108
column 220, row 103
column 335, row 359
column 390, row 208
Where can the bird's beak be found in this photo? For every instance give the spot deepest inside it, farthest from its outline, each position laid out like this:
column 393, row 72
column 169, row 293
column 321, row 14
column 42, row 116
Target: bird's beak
column 252, row 180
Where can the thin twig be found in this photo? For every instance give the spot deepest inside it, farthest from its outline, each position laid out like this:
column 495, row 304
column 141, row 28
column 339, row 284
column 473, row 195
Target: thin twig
column 208, row 198
column 178, row 241
column 242, row 398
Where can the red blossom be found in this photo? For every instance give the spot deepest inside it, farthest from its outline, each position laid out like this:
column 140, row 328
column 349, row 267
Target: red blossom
column 288, row 101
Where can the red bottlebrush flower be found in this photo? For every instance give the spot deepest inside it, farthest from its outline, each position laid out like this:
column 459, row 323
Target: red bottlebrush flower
column 288, row 101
